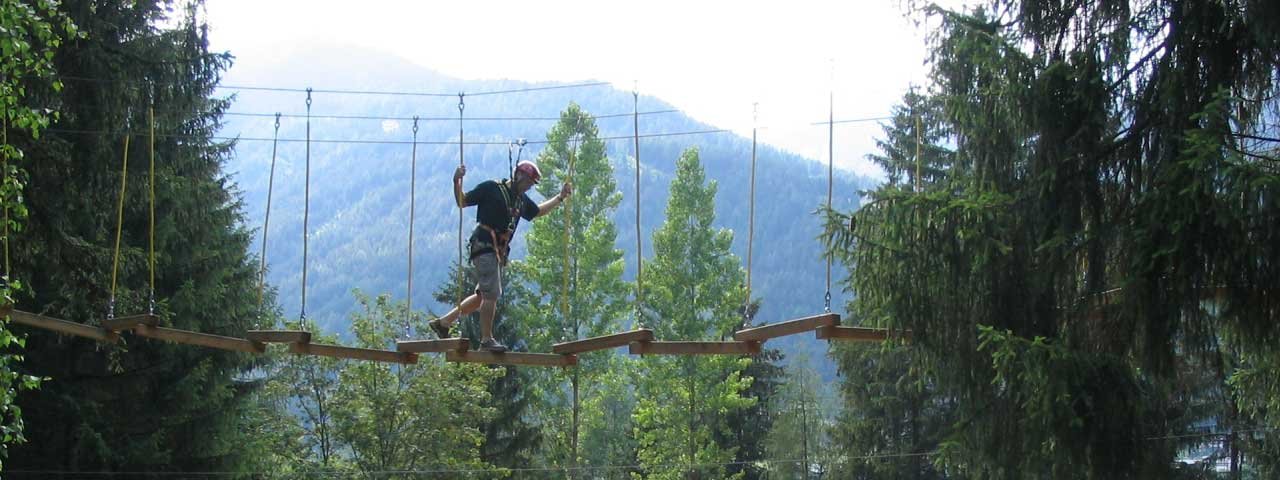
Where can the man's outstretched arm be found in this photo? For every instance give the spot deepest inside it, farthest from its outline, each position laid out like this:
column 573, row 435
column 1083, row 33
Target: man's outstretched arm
column 458, row 196
column 553, row 202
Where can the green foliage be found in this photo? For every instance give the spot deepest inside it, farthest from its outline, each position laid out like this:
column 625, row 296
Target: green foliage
column 798, row 442
column 367, row 418
column 749, row 427
column 1256, row 385
column 608, row 434
column 29, row 36
column 694, row 290
column 893, row 415
column 1085, row 189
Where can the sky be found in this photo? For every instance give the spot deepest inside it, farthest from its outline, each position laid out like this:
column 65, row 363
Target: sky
column 776, row 65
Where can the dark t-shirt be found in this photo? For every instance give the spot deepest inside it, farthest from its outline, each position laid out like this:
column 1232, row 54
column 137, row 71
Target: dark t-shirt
column 499, row 207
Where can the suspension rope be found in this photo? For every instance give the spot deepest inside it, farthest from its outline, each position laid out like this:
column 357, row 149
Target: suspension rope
column 568, row 218
column 831, row 156
column 852, row 120
column 408, row 94
column 306, row 213
column 115, row 257
column 413, row 187
column 635, row 122
column 151, row 195
column 433, row 119
column 266, row 224
column 462, row 286
column 355, row 92
column 385, row 142
column 751, row 216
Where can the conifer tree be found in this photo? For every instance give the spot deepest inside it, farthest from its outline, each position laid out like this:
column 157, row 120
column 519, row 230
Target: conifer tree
column 143, row 405
column 1094, row 216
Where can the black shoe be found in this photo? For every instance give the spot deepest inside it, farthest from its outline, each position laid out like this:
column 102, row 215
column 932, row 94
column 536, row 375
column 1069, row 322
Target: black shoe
column 442, row 332
column 493, row 346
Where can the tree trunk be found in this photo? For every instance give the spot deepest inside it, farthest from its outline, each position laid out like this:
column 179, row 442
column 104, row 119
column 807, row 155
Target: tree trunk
column 804, row 434
column 692, row 419
column 573, row 441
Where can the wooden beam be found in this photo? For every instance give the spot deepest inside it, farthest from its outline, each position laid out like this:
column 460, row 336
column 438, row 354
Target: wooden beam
column 197, row 338
column 62, row 326
column 433, row 346
column 338, row 351
column 694, row 348
column 278, row 336
column 860, row 334
column 513, row 358
column 792, row 327
column 604, row 342
column 120, row 324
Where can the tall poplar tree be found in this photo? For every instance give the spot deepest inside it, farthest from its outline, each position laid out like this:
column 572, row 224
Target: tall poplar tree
column 572, row 276
column 694, row 288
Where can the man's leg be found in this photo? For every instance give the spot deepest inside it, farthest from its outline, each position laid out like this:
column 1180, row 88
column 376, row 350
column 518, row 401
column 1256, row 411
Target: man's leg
column 470, row 304
column 487, row 309
column 489, row 276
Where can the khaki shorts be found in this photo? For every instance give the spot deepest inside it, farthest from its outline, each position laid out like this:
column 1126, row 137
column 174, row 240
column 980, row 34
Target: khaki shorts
column 488, row 276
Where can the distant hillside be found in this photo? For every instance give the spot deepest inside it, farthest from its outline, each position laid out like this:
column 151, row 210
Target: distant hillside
column 359, row 192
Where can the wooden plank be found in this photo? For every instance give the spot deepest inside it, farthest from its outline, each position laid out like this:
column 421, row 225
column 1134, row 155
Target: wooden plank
column 604, row 342
column 791, row 327
column 278, row 336
column 353, row 353
column 197, row 338
column 860, row 334
column 62, row 326
column 513, row 358
column 694, row 348
column 120, row 324
column 433, row 346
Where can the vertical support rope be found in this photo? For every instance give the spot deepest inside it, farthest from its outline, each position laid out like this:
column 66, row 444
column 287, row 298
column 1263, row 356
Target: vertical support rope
column 115, row 257
column 751, row 217
column 568, row 219
column 306, row 213
column 831, row 158
column 266, row 223
column 635, row 122
column 462, row 285
column 413, row 188
column 151, row 195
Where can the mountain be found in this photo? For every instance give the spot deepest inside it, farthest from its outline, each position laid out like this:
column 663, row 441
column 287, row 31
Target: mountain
column 359, row 208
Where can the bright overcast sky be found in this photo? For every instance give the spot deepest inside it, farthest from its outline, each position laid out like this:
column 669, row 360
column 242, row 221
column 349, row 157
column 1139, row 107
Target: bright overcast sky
column 711, row 59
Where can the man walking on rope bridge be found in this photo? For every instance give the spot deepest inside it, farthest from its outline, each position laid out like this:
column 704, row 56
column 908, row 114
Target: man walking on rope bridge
column 499, row 208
